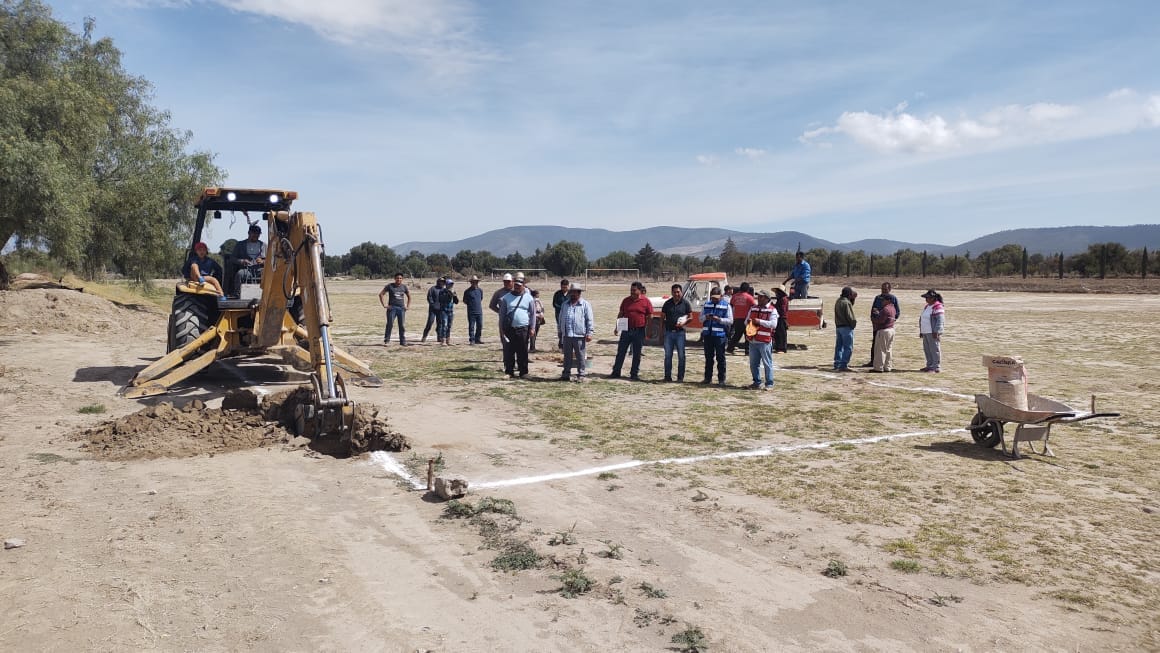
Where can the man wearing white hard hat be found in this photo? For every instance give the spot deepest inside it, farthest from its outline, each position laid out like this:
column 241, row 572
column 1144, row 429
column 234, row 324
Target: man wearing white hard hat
column 519, row 327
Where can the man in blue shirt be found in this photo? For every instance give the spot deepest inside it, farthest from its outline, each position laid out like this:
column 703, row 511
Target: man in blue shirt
column 575, row 328
column 518, row 316
column 800, row 275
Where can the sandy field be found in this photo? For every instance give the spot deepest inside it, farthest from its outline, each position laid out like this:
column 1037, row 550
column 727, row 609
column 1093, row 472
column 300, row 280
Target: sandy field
column 608, row 515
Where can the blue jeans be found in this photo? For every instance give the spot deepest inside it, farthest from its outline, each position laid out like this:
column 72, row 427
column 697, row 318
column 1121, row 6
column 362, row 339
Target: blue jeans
column 675, row 340
column 800, row 290
column 761, row 353
column 393, row 313
column 843, row 347
column 631, row 338
column 444, row 328
column 714, row 350
column 475, row 328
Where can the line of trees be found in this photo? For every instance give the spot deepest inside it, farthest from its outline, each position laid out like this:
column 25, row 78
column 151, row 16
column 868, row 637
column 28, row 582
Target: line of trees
column 567, row 258
column 92, row 176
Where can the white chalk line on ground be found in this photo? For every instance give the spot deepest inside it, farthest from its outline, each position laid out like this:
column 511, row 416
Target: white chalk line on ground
column 392, row 466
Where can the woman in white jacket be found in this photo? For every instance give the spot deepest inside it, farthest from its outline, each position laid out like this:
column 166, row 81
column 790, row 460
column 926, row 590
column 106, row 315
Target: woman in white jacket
column 930, row 328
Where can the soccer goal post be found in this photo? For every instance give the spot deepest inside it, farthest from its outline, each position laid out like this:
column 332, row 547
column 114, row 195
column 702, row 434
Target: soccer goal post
column 610, row 274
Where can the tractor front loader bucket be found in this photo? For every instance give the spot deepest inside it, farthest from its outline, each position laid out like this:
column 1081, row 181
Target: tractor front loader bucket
column 175, row 367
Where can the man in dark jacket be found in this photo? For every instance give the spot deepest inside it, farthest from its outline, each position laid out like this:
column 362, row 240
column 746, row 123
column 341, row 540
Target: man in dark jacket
column 433, row 312
column 473, row 300
column 875, row 308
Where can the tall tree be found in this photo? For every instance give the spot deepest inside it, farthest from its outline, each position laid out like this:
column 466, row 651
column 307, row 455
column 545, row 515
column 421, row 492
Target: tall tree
column 648, row 259
column 89, row 170
column 564, row 258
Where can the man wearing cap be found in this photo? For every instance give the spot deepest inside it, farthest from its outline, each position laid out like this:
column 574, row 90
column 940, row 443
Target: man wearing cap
column 574, row 328
column 800, row 275
column 519, row 325
column 637, row 309
column 473, row 300
column 249, row 255
column 716, row 318
column 433, row 308
column 398, row 301
column 844, row 323
column 447, row 301
column 676, row 311
column 763, row 317
column 496, row 304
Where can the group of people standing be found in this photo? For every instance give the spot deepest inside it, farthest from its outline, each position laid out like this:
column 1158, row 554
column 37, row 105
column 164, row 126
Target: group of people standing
column 884, row 314
column 720, row 317
column 732, row 319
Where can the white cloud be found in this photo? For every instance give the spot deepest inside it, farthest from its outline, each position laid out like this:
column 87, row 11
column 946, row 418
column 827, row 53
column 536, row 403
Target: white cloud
column 707, row 159
column 752, row 153
column 1012, row 125
column 436, row 32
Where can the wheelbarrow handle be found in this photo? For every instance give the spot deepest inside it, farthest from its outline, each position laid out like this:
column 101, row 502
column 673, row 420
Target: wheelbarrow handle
column 1093, row 416
column 1053, row 418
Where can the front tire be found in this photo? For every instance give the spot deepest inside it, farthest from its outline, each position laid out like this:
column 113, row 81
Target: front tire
column 986, row 432
column 189, row 319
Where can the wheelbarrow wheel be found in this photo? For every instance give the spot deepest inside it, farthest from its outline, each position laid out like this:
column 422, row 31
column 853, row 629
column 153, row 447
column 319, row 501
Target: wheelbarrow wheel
column 986, row 432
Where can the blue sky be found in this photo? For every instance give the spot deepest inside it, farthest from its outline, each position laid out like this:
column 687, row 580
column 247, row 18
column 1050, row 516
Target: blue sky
column 402, row 120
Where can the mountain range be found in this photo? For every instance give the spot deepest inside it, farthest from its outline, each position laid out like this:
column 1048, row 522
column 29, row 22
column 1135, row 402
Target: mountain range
column 708, row 241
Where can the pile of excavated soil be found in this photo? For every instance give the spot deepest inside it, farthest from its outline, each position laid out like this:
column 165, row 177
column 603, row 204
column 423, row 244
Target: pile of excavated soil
column 165, row 431
column 63, row 310
column 245, row 421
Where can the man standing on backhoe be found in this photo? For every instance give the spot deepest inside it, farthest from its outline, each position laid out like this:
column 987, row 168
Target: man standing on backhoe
column 800, row 276
column 250, row 255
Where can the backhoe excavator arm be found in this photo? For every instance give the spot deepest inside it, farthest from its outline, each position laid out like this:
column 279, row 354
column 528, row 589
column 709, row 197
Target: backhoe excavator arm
column 295, row 263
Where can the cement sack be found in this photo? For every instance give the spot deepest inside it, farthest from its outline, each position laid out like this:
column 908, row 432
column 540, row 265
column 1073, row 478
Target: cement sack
column 1007, row 380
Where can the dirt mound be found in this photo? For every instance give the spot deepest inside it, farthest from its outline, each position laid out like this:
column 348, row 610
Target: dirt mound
column 165, row 431
column 63, row 310
column 245, row 421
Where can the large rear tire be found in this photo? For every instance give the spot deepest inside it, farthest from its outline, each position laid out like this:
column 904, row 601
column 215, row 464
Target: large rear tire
column 190, row 318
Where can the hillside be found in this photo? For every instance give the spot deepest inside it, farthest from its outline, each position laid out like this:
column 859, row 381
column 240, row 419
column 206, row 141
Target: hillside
column 710, row 241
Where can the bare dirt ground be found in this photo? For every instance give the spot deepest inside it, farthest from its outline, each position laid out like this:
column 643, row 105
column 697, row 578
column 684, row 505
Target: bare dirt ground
column 932, row 543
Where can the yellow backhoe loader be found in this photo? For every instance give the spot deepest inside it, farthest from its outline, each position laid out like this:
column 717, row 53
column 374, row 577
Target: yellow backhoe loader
column 286, row 313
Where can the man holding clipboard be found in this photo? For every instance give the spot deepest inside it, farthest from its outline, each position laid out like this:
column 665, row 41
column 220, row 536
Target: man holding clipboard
column 634, row 314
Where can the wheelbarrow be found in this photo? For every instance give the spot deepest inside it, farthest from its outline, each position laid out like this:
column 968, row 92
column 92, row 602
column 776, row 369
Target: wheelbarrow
column 1032, row 425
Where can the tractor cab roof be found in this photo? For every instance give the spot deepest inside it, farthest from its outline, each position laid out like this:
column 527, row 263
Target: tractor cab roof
column 245, row 199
